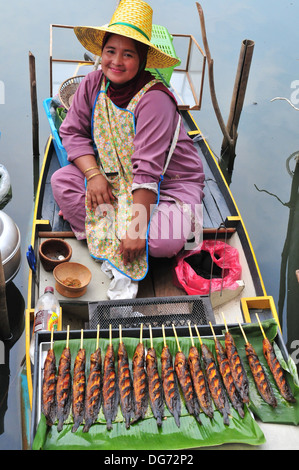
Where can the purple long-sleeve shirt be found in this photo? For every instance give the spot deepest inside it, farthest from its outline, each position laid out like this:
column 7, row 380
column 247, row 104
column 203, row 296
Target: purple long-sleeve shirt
column 156, row 119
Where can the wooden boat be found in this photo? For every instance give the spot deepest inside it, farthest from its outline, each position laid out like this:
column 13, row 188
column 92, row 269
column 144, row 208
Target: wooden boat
column 159, row 301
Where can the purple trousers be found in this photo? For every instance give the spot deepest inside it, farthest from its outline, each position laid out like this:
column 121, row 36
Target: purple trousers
column 170, row 225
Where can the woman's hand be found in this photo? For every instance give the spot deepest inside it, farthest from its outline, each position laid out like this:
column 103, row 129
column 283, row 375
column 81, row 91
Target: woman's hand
column 98, row 192
column 133, row 244
column 132, row 248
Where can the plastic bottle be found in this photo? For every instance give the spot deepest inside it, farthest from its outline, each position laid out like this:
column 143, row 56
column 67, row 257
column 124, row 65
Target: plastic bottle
column 46, row 315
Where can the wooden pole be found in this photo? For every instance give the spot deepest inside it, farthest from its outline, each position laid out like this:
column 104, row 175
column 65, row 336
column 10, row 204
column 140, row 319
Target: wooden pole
column 238, row 96
column 4, row 321
column 229, row 130
column 34, row 107
column 210, row 63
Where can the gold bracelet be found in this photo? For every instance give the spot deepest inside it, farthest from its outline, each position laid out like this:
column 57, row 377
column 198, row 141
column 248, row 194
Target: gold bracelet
column 91, row 168
column 91, row 176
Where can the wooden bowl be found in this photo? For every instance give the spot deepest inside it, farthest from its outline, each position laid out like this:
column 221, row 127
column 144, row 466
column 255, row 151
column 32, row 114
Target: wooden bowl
column 72, row 279
column 54, row 251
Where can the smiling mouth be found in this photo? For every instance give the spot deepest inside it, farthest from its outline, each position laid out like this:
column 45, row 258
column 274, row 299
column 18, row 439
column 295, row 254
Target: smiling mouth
column 116, row 70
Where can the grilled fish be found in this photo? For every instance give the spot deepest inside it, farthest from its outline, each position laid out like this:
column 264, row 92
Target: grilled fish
column 227, row 378
column 110, row 392
column 215, row 384
column 237, row 368
column 125, row 385
column 154, row 386
column 261, row 380
column 277, row 371
column 140, row 383
column 49, row 404
column 64, row 388
column 184, row 377
column 170, row 385
column 93, row 390
column 200, row 385
column 79, row 389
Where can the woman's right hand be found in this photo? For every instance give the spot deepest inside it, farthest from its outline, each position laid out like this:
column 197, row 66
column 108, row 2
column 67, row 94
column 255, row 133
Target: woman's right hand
column 98, row 192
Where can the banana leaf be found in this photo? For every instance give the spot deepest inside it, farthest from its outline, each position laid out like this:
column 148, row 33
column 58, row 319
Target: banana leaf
column 145, row 435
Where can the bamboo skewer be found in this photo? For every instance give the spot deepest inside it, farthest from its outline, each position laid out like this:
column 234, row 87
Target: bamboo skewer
column 243, row 333
column 141, row 331
column 211, row 326
column 110, row 335
column 198, row 335
column 224, row 321
column 67, row 336
column 52, row 331
column 98, row 336
column 261, row 326
column 151, row 335
column 176, row 338
column 120, row 335
column 81, row 343
column 191, row 335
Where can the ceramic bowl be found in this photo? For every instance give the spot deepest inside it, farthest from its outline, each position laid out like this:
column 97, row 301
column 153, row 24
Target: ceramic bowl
column 54, row 251
column 71, row 279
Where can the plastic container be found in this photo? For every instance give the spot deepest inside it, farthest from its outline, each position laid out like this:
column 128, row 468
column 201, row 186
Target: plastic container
column 59, row 148
column 46, row 316
column 163, row 40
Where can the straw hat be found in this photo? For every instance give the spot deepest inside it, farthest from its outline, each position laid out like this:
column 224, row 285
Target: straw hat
column 133, row 19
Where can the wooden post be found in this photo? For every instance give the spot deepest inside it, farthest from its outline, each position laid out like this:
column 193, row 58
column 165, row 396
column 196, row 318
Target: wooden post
column 4, row 321
column 34, row 107
column 238, row 96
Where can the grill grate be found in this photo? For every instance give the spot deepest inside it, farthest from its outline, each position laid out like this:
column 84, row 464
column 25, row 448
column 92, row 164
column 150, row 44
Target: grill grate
column 151, row 311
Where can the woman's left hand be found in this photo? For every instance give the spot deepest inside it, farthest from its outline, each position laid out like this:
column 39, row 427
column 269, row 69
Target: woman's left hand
column 132, row 248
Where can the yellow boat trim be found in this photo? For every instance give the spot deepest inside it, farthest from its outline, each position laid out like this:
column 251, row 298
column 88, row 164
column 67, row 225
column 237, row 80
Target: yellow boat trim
column 256, row 303
column 29, row 311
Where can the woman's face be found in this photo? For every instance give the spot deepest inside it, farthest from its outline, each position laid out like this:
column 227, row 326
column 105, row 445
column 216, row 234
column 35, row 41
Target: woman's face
column 120, row 60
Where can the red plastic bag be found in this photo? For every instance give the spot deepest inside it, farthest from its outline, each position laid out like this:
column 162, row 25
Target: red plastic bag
column 223, row 256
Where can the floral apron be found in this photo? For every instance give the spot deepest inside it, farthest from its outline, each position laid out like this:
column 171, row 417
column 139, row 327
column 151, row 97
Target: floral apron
column 113, row 134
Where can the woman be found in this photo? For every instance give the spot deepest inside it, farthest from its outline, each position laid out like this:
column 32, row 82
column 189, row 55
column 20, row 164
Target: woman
column 128, row 150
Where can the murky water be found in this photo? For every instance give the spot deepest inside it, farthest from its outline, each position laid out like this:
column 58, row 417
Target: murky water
column 268, row 133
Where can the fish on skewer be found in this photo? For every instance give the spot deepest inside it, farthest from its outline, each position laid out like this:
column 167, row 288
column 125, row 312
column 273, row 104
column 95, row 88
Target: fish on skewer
column 185, row 381
column 227, row 377
column 155, row 387
column 110, row 390
column 236, row 366
column 200, row 384
column 140, row 382
column 275, row 367
column 214, row 381
column 79, row 387
column 49, row 403
column 93, row 387
column 125, row 384
column 170, row 382
column 64, row 384
column 260, row 378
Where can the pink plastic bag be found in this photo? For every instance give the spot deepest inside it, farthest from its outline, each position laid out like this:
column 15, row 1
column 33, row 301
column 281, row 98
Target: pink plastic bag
column 223, row 256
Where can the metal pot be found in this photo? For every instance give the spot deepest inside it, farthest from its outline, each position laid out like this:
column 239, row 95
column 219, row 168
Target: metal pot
column 10, row 246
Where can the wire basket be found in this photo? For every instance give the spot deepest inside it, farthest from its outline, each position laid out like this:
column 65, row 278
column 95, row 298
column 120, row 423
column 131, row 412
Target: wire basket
column 67, row 90
column 151, row 311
